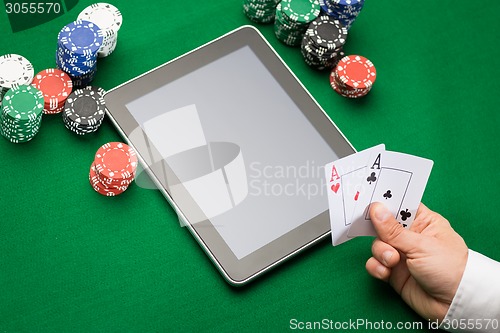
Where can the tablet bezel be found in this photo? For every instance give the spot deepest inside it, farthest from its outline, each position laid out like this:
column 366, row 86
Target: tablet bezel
column 236, row 272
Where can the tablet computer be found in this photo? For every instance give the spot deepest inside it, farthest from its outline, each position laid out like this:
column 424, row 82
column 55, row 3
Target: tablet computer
column 237, row 146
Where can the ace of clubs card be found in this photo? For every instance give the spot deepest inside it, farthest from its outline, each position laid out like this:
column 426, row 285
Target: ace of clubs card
column 398, row 180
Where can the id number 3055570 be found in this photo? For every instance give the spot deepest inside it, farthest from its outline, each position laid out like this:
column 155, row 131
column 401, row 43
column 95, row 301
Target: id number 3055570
column 32, row 7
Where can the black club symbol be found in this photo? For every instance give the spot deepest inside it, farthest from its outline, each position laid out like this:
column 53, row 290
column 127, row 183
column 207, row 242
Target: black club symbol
column 388, row 194
column 405, row 214
column 371, row 178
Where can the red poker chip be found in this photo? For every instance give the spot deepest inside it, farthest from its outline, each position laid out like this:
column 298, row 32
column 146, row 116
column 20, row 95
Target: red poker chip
column 105, row 192
column 101, row 188
column 356, row 72
column 346, row 88
column 357, row 93
column 56, row 111
column 97, row 181
column 114, row 182
column 115, row 161
column 56, row 86
column 334, row 79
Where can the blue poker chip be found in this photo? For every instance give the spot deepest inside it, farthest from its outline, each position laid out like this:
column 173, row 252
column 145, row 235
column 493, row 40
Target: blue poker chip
column 325, row 8
column 81, row 37
column 346, row 11
column 343, row 9
column 83, row 66
column 73, row 70
column 77, row 46
column 348, row 2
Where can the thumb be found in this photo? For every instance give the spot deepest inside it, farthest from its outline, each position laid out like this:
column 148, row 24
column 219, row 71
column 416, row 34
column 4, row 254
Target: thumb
column 391, row 231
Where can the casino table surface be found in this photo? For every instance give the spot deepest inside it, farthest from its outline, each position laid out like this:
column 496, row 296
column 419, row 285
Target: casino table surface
column 74, row 261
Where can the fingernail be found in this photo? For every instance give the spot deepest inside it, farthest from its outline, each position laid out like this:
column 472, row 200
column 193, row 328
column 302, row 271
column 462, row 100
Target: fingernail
column 381, row 271
column 386, row 257
column 382, row 213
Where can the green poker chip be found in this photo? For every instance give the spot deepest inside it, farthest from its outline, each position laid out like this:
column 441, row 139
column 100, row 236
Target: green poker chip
column 21, row 115
column 292, row 20
column 23, row 103
column 260, row 11
column 302, row 12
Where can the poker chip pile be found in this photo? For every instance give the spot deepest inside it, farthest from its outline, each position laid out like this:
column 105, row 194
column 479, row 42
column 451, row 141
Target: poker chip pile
column 84, row 110
column 353, row 77
column 292, row 19
column 77, row 47
column 323, row 41
column 22, row 109
column 15, row 70
column 260, row 11
column 109, row 19
column 346, row 11
column 113, row 169
column 55, row 86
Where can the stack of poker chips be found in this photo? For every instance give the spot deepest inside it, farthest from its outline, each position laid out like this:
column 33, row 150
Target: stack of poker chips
column 22, row 109
column 84, row 110
column 260, row 11
column 14, row 71
column 113, row 169
column 56, row 86
column 77, row 47
column 323, row 42
column 346, row 11
column 292, row 19
column 109, row 19
column 353, row 77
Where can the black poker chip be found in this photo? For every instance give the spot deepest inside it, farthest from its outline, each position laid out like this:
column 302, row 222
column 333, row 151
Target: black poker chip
column 322, row 44
column 84, row 110
column 327, row 32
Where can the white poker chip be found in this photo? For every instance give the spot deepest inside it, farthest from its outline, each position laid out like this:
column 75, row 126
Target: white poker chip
column 104, row 15
column 109, row 19
column 15, row 70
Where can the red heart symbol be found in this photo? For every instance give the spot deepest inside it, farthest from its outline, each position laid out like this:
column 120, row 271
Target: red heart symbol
column 335, row 187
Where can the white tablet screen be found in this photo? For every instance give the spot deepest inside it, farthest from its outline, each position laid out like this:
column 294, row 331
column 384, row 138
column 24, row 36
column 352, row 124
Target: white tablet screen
column 236, row 103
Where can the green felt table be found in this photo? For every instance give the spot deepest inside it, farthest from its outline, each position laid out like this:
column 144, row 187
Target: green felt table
column 74, row 261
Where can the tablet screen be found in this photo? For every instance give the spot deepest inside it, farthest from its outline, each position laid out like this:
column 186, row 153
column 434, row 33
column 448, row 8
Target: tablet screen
column 235, row 105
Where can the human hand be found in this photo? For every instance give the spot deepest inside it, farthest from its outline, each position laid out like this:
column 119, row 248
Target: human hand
column 424, row 264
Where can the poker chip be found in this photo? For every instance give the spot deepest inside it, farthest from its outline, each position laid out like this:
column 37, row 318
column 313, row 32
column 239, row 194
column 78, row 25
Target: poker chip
column 109, row 19
column 353, row 77
column 84, row 110
column 300, row 11
column 292, row 19
column 15, row 70
column 102, row 188
column 346, row 11
column 260, row 11
column 115, row 161
column 76, row 54
column 322, row 43
column 21, row 117
column 56, row 86
column 113, row 169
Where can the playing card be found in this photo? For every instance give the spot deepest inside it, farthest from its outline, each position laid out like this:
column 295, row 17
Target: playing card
column 343, row 178
column 397, row 180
